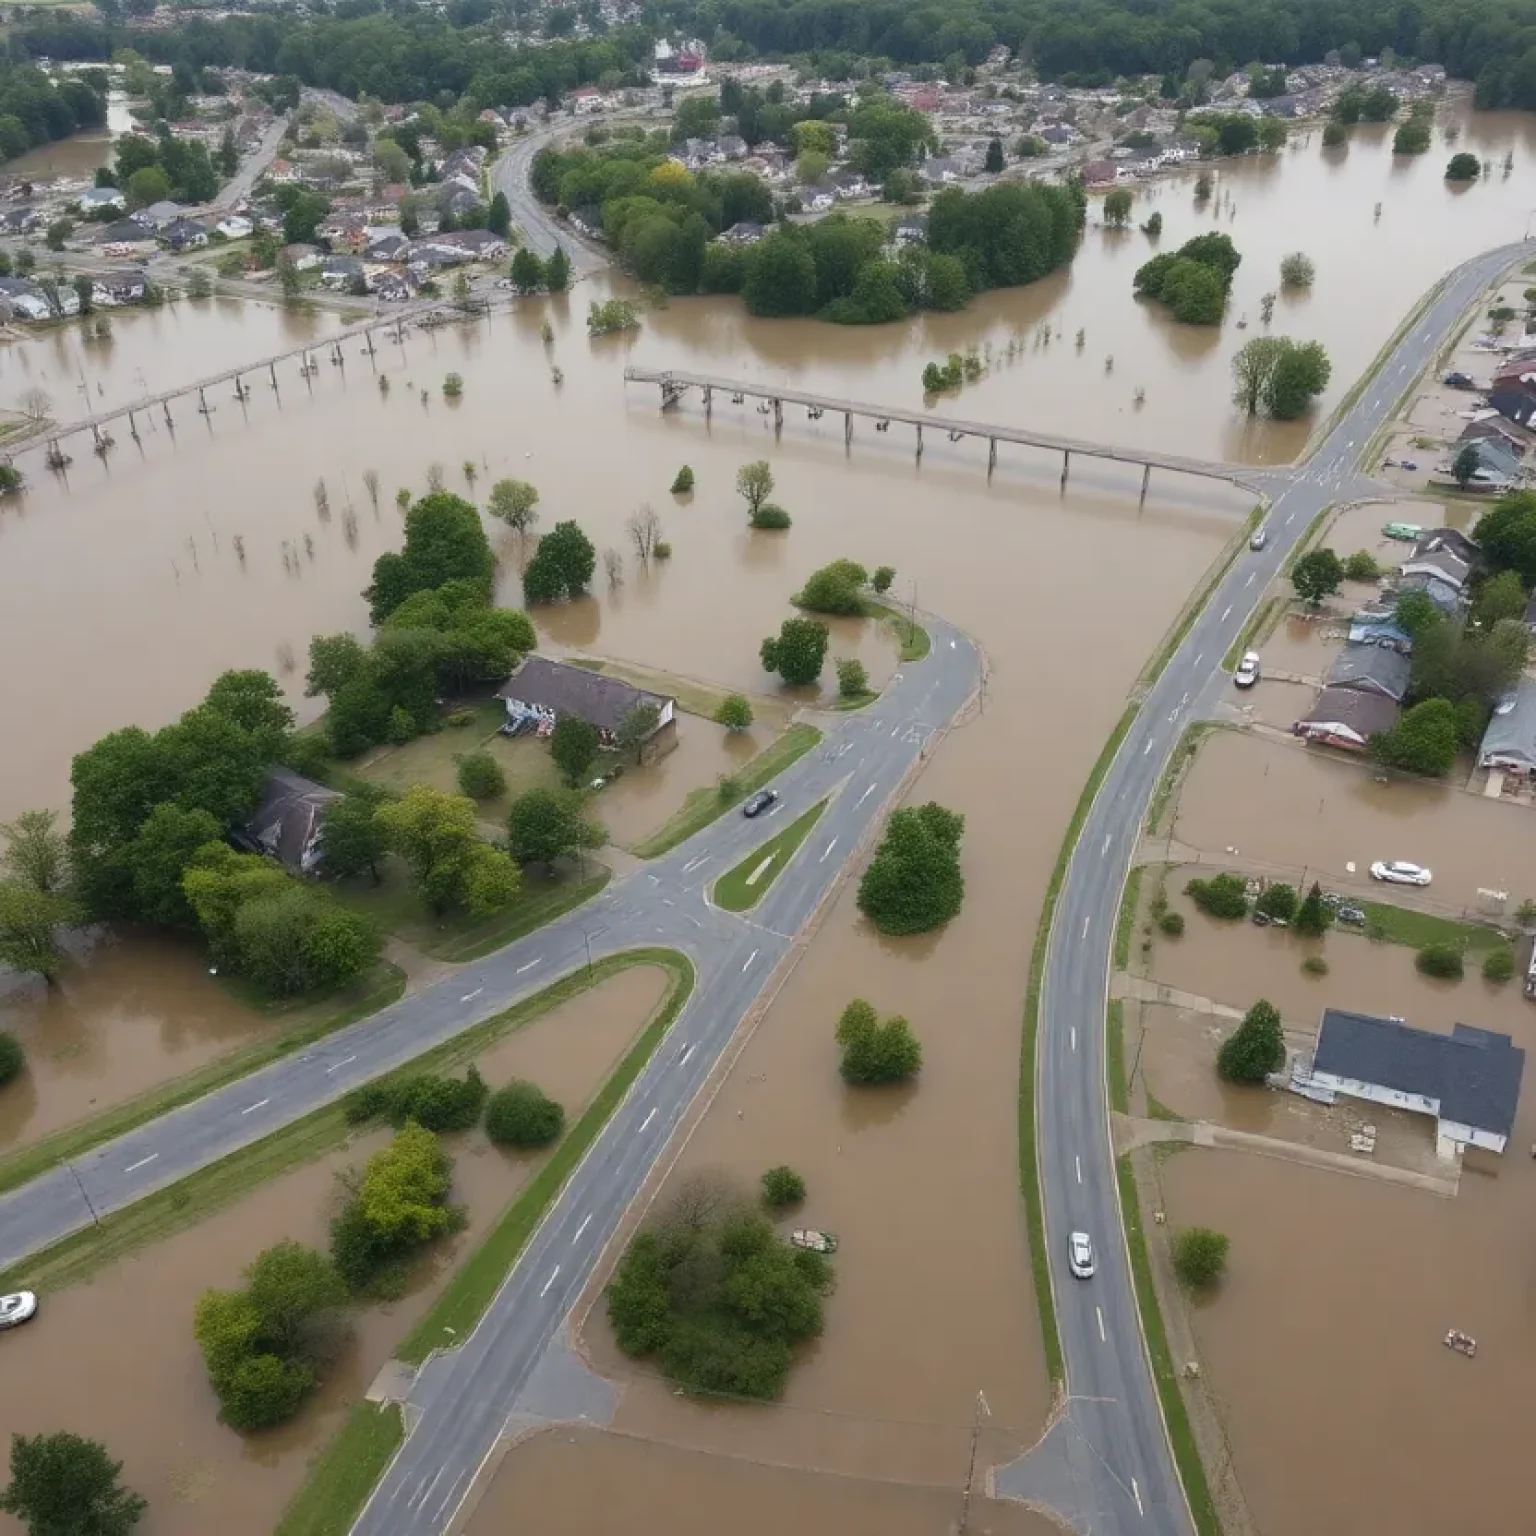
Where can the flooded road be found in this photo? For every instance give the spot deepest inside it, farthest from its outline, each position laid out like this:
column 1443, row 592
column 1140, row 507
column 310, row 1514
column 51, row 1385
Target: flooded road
column 87, row 1370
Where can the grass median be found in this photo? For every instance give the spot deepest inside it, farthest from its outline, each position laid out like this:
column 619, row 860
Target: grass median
column 384, row 985
column 912, row 640
column 346, row 1471
column 706, row 805
column 744, row 886
column 189, row 1200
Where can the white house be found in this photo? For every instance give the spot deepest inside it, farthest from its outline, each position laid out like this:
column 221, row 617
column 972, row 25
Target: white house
column 233, row 227
column 1469, row 1080
column 544, row 690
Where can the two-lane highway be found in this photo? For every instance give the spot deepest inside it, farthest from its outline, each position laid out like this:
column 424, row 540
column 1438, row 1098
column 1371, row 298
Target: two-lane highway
column 1110, row 1465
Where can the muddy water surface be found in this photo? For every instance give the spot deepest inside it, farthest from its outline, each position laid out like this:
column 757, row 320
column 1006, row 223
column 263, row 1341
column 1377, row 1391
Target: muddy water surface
column 576, row 1479
column 1344, row 1409
column 131, row 1012
column 89, row 1372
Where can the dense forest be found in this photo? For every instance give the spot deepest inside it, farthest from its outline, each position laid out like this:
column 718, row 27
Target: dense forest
column 403, row 55
column 35, row 111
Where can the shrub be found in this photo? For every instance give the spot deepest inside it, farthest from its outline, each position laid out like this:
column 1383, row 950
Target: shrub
column 1361, row 566
column 480, row 776
column 459, row 718
column 769, row 516
column 1315, row 965
column 684, row 481
column 1442, row 960
column 1172, row 923
column 852, row 679
column 453, row 386
column 401, row 727
column 1314, row 917
column 735, row 712
column 835, row 588
column 883, row 577
column 1499, row 965
column 522, row 1115
column 434, row 1102
column 13, row 1060
column 782, row 1186
column 1277, row 902
column 1255, row 1048
column 1200, row 1256
column 1224, row 896
column 662, row 550
column 874, row 1052
column 1297, row 270
column 727, row 788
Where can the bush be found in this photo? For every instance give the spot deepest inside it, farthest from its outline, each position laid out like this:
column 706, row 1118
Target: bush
column 835, row 588
column 1297, row 270
column 1442, row 960
column 874, row 1052
column 1499, row 965
column 1255, row 1048
column 782, row 1186
column 1200, row 1256
column 1224, row 896
column 883, row 577
column 1361, row 566
column 735, row 712
column 13, row 1060
column 769, row 516
column 434, row 1102
column 662, row 550
column 1172, row 923
column 401, row 727
column 459, row 719
column 480, row 776
column 522, row 1115
column 852, row 679
column 684, row 481
column 453, row 386
column 1277, row 902
column 1315, row 965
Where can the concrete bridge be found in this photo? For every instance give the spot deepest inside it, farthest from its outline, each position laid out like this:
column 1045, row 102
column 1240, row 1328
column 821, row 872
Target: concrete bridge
column 772, row 399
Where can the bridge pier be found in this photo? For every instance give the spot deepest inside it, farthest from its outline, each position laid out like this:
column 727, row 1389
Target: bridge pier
column 991, row 454
column 1066, row 465
column 368, row 336
column 919, row 440
column 96, row 433
column 202, row 401
column 1146, row 480
column 709, row 400
column 778, row 415
column 847, row 427
column 133, row 426
column 165, row 405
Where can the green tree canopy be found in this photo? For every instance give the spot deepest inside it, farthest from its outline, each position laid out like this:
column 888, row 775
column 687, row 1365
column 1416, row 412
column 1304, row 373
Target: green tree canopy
column 523, row 1115
column 914, row 882
column 451, row 867
column 1317, row 574
column 443, row 542
column 873, row 1052
column 547, row 824
column 573, row 745
column 1255, row 1048
column 797, row 652
column 1425, row 740
column 835, row 588
column 1200, row 1256
column 64, row 1485
column 561, row 567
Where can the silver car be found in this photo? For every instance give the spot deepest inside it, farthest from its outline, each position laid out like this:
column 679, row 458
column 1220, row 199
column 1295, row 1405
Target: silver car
column 1258, row 538
column 1080, row 1255
column 17, row 1308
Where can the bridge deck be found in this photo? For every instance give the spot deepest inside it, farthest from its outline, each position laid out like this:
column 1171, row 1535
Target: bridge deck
column 671, row 377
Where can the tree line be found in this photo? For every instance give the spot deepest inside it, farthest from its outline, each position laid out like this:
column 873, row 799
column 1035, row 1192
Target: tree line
column 36, row 110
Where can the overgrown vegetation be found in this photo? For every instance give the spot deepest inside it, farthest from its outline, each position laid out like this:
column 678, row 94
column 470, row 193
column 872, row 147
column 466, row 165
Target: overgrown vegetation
column 1255, row 1048
column 873, row 1052
column 1192, row 282
column 913, row 883
column 1224, row 896
column 1200, row 1256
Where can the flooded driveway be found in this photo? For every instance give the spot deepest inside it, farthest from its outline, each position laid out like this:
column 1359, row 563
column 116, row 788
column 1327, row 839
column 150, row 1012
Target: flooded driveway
column 98, row 1353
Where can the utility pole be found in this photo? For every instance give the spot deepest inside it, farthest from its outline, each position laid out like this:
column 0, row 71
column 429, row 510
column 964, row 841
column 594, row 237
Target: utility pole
column 588, row 937
column 970, row 1476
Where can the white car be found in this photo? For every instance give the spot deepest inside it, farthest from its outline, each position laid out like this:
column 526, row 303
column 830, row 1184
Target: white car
column 1247, row 673
column 1080, row 1255
column 1400, row 872
column 17, row 1308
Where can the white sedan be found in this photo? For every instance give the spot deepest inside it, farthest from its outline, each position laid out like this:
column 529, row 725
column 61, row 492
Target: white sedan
column 17, row 1308
column 1247, row 673
column 1080, row 1255
column 1400, row 872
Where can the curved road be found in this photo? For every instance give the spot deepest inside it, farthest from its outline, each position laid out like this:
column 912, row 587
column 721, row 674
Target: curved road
column 1106, row 1464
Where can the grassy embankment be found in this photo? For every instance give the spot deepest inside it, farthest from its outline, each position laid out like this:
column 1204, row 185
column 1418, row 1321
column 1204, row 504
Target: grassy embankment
column 708, row 804
column 200, row 1194
column 346, row 1471
column 743, row 887
column 299, row 1025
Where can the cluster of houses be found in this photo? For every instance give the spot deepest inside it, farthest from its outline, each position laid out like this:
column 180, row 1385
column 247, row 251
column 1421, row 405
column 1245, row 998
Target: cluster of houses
column 1501, row 426
column 1364, row 689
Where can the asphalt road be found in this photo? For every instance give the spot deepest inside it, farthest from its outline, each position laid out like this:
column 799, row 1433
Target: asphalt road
column 1107, row 1466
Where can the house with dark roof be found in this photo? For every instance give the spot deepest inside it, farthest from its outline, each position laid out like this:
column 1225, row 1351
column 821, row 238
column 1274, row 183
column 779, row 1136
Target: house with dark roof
column 1452, row 539
column 1437, row 561
column 1448, row 599
column 1469, row 1080
column 1345, row 717
column 1371, row 669
column 286, row 822
column 547, row 690
column 1509, row 743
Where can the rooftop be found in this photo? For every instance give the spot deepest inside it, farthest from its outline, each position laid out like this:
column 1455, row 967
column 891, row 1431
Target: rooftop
column 569, row 690
column 1473, row 1073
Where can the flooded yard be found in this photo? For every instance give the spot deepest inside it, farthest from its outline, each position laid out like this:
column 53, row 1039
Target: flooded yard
column 98, row 1353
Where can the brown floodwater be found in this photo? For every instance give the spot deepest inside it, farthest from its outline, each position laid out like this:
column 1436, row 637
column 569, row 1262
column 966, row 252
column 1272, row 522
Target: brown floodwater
column 81, row 154
column 576, row 1479
column 1309, row 812
column 1323, row 1348
column 90, row 1370
column 128, row 1013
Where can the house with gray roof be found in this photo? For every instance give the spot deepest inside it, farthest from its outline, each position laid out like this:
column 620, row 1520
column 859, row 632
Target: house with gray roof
column 547, row 690
column 1441, row 563
column 1469, row 1080
column 1371, row 669
column 1509, row 743
column 286, row 822
column 1346, row 717
column 1447, row 598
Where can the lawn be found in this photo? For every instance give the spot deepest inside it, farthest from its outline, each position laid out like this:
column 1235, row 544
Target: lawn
column 912, row 640
column 343, row 1477
column 303, row 1024
column 743, row 887
column 1400, row 925
column 396, row 907
column 708, row 804
column 693, row 697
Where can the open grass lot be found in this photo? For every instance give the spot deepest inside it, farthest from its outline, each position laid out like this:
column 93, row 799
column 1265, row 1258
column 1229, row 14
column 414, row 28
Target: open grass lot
column 396, row 907
column 295, row 1026
column 345, row 1473
column 743, row 887
column 707, row 804
column 693, row 697
column 1400, row 925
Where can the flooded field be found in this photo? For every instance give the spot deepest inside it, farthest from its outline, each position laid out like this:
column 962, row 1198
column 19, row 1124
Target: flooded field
column 576, row 1479
column 130, row 1013
column 1344, row 1410
column 1293, row 809
column 88, row 1371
